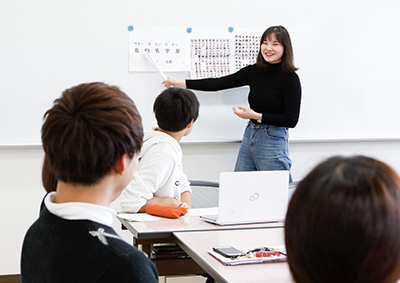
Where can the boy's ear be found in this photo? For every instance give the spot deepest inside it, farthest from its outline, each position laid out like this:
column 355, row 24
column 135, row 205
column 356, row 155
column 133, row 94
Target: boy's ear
column 190, row 124
column 120, row 165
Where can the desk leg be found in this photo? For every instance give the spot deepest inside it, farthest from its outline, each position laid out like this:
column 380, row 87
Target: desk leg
column 143, row 247
column 146, row 248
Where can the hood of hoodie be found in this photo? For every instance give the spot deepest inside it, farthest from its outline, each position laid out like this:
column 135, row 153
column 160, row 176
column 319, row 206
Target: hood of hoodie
column 151, row 138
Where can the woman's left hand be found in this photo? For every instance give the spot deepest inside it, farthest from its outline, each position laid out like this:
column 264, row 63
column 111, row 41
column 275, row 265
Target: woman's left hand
column 245, row 113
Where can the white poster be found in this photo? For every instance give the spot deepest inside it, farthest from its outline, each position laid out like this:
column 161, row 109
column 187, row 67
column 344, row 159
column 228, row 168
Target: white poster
column 168, row 47
column 246, row 50
column 205, row 52
column 219, row 52
column 210, row 57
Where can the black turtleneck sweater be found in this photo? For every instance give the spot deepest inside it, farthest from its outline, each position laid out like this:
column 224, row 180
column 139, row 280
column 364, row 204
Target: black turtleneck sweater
column 275, row 94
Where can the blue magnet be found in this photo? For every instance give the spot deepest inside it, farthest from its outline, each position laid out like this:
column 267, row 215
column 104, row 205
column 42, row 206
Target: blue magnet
column 130, row 28
column 189, row 30
column 230, row 29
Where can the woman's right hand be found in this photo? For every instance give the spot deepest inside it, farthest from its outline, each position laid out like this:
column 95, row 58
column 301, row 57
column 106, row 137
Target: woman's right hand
column 172, row 82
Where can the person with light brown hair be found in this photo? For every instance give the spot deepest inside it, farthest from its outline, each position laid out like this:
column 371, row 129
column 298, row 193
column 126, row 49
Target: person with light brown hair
column 343, row 223
column 91, row 137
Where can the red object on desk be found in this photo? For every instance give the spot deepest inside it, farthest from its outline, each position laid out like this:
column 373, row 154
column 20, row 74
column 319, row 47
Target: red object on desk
column 166, row 211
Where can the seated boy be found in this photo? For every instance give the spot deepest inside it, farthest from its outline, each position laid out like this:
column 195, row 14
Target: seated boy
column 91, row 137
column 159, row 178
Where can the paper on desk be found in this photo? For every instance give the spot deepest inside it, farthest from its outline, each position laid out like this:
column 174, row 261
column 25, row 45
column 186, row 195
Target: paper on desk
column 202, row 211
column 245, row 260
column 148, row 217
column 138, row 217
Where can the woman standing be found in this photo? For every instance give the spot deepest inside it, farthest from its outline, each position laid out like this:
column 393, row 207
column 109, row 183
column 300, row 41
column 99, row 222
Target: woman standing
column 274, row 99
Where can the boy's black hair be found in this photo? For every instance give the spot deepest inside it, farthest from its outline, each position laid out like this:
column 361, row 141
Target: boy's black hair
column 175, row 108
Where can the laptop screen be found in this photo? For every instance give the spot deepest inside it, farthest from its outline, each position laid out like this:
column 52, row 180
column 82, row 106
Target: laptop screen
column 254, row 196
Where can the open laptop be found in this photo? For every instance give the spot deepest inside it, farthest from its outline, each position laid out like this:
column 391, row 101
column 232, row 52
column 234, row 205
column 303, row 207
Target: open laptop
column 251, row 197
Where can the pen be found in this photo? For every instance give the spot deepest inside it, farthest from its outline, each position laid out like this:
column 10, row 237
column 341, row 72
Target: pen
column 180, row 203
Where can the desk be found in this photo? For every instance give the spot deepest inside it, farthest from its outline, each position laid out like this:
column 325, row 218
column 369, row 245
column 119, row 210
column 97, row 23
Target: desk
column 196, row 245
column 147, row 233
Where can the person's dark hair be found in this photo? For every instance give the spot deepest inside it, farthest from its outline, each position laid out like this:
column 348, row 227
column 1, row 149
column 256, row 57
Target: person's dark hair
column 343, row 223
column 283, row 38
column 49, row 180
column 87, row 130
column 175, row 108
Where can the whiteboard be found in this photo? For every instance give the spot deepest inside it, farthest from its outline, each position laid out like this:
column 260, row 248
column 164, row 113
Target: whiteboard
column 347, row 52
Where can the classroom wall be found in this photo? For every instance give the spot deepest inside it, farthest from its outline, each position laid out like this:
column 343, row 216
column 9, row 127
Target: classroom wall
column 347, row 52
column 21, row 191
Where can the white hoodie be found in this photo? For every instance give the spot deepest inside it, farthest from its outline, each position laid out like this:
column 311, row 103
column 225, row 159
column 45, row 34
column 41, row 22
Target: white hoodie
column 159, row 172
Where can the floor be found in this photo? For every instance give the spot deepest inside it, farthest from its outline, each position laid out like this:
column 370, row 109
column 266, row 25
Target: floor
column 182, row 279
column 170, row 279
column 17, row 279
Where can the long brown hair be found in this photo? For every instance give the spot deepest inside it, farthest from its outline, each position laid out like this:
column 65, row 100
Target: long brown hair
column 283, row 38
column 343, row 223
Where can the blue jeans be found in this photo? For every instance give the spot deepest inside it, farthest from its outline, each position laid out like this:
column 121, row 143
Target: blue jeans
column 264, row 147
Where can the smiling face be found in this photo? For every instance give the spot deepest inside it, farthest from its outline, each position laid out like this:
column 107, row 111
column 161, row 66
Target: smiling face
column 272, row 50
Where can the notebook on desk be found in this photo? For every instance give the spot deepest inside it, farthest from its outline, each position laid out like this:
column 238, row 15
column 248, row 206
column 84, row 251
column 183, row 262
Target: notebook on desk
column 251, row 197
